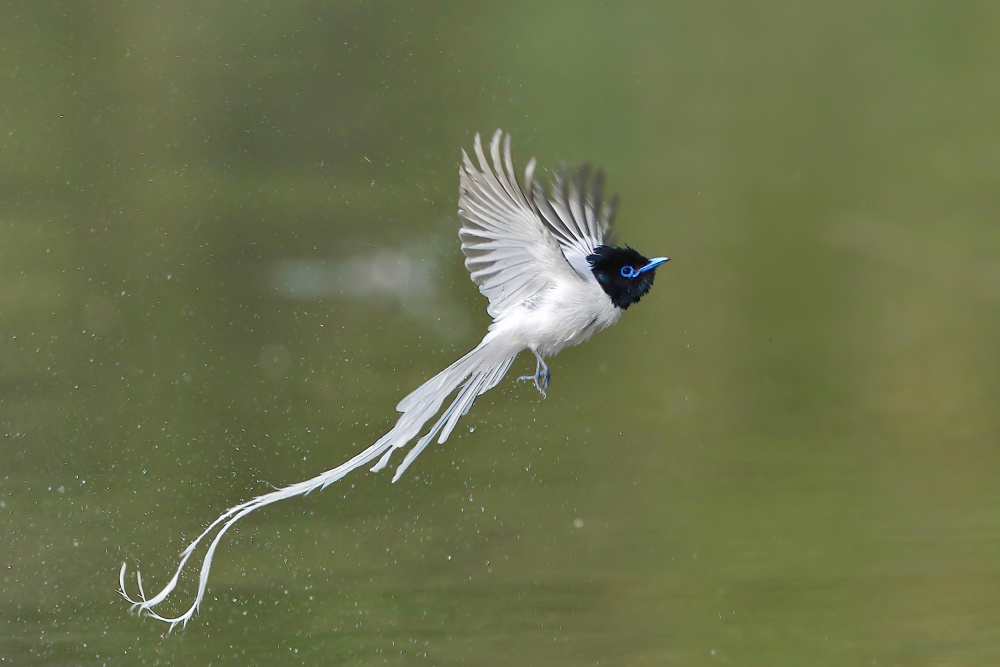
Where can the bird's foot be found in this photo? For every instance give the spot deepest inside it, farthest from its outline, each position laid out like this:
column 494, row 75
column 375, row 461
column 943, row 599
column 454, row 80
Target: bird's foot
column 541, row 377
column 540, row 382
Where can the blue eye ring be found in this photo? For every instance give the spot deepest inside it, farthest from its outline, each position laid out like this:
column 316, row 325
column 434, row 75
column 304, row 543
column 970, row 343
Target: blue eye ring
column 628, row 271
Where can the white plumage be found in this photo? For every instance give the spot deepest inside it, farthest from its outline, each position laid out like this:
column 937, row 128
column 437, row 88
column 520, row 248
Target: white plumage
column 527, row 250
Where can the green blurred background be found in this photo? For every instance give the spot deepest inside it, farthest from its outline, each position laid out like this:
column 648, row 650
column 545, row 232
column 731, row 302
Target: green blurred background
column 228, row 247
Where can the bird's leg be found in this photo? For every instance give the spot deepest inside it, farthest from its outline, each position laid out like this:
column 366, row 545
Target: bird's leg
column 542, row 375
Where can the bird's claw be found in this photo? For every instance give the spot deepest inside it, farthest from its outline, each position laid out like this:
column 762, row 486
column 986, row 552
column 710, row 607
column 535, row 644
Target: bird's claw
column 541, row 377
column 540, row 382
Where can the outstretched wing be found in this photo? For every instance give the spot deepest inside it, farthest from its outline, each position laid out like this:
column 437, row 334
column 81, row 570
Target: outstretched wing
column 516, row 240
column 575, row 214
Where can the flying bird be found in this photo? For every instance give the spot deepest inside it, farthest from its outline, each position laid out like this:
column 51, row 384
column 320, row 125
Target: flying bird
column 544, row 259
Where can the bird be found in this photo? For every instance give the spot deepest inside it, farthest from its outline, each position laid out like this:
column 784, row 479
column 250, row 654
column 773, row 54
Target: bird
column 545, row 260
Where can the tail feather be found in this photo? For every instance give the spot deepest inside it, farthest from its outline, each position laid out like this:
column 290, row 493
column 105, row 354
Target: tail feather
column 477, row 372
column 481, row 381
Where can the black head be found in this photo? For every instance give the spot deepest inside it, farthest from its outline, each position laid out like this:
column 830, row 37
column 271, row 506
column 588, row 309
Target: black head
column 623, row 274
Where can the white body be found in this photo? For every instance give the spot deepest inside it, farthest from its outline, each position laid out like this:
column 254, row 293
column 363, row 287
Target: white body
column 567, row 313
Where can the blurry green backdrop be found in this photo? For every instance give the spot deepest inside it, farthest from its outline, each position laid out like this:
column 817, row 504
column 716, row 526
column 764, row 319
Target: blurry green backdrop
column 228, row 247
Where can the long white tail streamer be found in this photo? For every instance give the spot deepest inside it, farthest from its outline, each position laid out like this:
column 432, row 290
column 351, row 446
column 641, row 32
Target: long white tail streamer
column 477, row 372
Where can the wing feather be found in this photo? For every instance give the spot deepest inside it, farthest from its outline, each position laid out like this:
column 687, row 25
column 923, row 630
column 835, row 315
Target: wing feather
column 517, row 239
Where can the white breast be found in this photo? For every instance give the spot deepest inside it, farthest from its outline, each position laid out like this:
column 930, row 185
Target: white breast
column 565, row 314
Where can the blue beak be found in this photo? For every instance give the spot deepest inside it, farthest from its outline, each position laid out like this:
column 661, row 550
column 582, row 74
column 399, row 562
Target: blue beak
column 653, row 263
